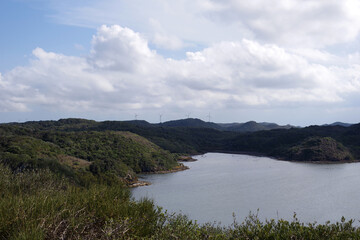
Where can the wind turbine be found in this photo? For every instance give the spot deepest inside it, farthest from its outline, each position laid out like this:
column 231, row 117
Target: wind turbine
column 188, row 115
column 160, row 116
column 136, row 116
column 209, row 116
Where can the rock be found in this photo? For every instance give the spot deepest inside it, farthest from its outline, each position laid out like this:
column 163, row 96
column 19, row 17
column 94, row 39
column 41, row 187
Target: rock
column 139, row 184
column 186, row 159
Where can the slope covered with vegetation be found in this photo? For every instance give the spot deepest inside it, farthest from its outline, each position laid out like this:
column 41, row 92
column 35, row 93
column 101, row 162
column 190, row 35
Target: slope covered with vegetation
column 83, row 156
column 336, row 143
column 191, row 140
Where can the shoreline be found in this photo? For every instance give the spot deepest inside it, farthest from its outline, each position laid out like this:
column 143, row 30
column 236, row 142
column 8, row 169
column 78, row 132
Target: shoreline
column 284, row 159
column 140, row 183
column 179, row 168
column 186, row 159
column 182, row 167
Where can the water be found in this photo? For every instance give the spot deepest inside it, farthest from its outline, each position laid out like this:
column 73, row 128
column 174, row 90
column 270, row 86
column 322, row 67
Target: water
column 218, row 185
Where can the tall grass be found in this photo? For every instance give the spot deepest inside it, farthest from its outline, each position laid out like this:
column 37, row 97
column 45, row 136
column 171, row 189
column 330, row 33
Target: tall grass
column 39, row 205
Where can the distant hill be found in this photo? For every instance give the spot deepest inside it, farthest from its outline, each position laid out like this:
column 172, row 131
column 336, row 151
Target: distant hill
column 251, row 126
column 190, row 122
column 141, row 123
column 339, row 124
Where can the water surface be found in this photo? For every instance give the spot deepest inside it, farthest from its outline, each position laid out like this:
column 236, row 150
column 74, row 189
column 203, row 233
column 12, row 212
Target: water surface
column 218, row 185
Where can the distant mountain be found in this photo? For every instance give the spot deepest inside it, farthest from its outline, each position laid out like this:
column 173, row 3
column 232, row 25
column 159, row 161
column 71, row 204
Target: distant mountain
column 139, row 123
column 251, row 126
column 190, row 122
column 339, row 124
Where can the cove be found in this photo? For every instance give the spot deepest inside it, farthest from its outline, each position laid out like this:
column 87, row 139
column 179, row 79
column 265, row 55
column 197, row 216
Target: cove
column 218, row 185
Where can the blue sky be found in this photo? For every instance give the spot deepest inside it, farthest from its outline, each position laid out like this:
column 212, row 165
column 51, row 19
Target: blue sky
column 26, row 25
column 287, row 61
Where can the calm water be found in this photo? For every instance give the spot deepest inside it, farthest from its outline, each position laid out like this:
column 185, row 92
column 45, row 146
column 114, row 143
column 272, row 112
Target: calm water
column 218, row 185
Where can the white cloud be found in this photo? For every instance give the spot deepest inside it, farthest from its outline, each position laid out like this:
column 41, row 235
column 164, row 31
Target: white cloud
column 290, row 23
column 310, row 23
column 162, row 39
column 10, row 96
column 122, row 73
column 119, row 49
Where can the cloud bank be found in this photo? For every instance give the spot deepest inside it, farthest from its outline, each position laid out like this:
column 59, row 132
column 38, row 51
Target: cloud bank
column 121, row 72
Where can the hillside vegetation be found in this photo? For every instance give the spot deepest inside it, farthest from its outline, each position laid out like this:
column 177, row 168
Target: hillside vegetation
column 191, row 139
column 83, row 156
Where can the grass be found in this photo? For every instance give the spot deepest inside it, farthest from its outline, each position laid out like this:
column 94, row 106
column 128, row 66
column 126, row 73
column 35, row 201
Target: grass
column 39, row 205
column 73, row 162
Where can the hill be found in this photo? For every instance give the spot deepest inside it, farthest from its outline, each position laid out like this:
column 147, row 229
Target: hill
column 183, row 137
column 319, row 149
column 191, row 122
column 339, row 124
column 81, row 155
column 277, row 143
column 252, row 126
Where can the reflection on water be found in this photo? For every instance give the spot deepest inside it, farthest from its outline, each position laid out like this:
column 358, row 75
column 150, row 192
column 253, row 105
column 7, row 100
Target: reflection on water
column 218, row 185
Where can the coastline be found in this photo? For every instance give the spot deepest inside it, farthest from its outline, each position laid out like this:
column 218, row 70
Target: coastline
column 186, row 159
column 140, row 183
column 182, row 167
column 179, row 168
column 256, row 154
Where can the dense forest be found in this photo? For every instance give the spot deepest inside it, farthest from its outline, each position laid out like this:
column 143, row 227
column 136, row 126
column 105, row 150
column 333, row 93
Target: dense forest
column 68, row 179
column 84, row 156
column 195, row 136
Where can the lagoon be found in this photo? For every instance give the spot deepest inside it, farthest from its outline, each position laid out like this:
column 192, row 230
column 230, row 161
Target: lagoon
column 218, row 185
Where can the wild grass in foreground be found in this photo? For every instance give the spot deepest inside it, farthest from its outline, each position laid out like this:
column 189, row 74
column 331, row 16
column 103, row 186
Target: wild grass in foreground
column 40, row 205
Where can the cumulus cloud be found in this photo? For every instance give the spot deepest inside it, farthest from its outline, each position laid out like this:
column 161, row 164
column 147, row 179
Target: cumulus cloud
column 120, row 49
column 121, row 72
column 292, row 22
column 11, row 96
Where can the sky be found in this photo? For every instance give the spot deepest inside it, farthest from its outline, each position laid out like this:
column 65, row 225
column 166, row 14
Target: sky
column 285, row 61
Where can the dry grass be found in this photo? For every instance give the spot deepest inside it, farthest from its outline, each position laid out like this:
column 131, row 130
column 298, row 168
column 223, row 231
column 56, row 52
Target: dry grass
column 73, row 162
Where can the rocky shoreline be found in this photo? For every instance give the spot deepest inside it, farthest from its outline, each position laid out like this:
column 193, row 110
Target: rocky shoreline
column 186, row 159
column 181, row 167
column 140, row 183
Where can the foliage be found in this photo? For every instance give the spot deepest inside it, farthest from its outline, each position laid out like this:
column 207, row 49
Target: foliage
column 40, row 205
column 83, row 156
column 281, row 143
column 319, row 149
